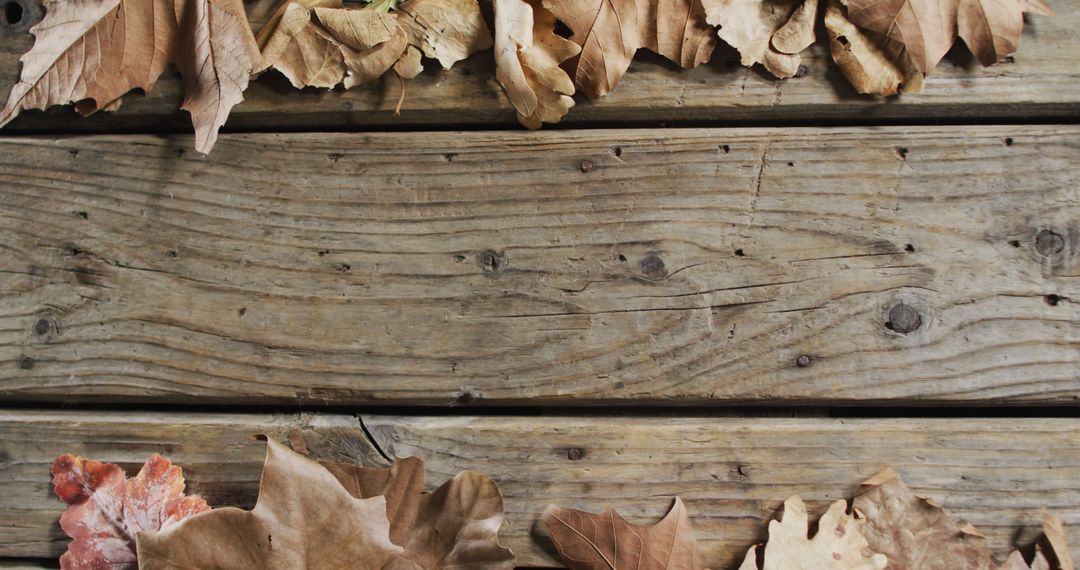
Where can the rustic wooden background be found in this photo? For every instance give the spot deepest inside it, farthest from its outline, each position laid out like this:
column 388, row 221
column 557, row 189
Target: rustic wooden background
column 710, row 284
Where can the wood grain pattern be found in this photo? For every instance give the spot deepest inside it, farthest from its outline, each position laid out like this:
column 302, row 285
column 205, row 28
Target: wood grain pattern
column 929, row 266
column 733, row 473
column 1039, row 82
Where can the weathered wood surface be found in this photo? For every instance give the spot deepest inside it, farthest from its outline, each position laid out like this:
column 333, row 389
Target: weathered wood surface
column 733, row 473
column 1040, row 83
column 846, row 265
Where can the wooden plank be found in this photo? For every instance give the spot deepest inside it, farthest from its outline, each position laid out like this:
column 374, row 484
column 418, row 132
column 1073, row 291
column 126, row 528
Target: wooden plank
column 1039, row 83
column 912, row 266
column 733, row 473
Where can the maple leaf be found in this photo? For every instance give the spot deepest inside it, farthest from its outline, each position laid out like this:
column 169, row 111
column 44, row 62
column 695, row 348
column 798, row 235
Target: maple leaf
column 586, row 541
column 456, row 526
column 913, row 532
column 872, row 63
column 320, row 43
column 838, row 545
column 528, row 55
column 770, row 32
column 106, row 510
column 92, row 52
column 611, row 31
column 1055, row 549
column 928, row 28
column 303, row 519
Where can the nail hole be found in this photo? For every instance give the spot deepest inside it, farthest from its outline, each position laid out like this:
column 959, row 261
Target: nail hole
column 902, row 152
column 25, row 362
column 575, row 454
column 1053, row 300
column 1008, row 141
column 1014, row 242
column 241, row 311
column 617, row 151
column 802, row 361
column 740, row 253
column 622, row 257
column 909, row 248
column 13, row 13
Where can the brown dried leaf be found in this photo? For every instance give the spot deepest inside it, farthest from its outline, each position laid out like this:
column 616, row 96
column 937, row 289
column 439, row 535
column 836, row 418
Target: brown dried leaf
column 769, row 32
column 457, row 526
column 611, row 31
column 872, row 63
column 928, row 28
column 1055, row 545
column 528, row 55
column 913, row 532
column 370, row 41
column 92, row 53
column 446, row 30
column 106, row 510
column 838, row 545
column 304, row 519
column 586, row 541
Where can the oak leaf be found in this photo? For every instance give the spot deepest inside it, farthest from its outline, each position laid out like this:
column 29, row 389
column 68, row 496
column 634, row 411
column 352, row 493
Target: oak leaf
column 303, row 519
column 528, row 55
column 1051, row 554
column 871, row 62
column 456, row 526
column 770, row 32
column 106, row 510
column 93, row 52
column 587, row 541
column 611, row 31
column 913, row 532
column 445, row 30
column 929, row 28
column 838, row 544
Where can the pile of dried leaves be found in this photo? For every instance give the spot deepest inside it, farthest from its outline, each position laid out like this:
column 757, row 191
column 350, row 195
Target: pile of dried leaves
column 92, row 52
column 332, row 515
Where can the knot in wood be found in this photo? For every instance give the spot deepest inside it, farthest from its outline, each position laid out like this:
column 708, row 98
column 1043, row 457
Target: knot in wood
column 490, row 261
column 1049, row 243
column 653, row 267
column 25, row 362
column 903, row 319
column 42, row 327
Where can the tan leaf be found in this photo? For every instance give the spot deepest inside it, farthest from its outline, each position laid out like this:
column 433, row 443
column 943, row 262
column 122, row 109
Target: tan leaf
column 370, row 41
column 872, row 63
column 409, row 65
column 446, row 30
column 769, row 32
column 457, row 526
column 528, row 55
column 838, row 544
column 1055, row 545
column 913, row 532
column 304, row 519
column 611, row 31
column 586, row 541
column 98, row 51
column 928, row 28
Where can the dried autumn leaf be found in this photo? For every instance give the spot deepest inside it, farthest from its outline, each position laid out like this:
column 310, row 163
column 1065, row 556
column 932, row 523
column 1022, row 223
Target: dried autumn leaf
column 446, row 30
column 106, row 510
column 303, row 519
column 92, row 53
column 929, row 28
column 611, row 31
column 838, row 545
column 1055, row 545
column 456, row 526
column 872, row 63
column 528, row 55
column 586, row 541
column 913, row 532
column 769, row 32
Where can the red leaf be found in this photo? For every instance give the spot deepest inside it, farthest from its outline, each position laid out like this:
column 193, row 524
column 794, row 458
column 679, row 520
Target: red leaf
column 106, row 510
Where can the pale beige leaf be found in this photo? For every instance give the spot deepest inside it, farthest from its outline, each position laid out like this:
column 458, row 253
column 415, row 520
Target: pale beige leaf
column 798, row 33
column 991, row 28
column 94, row 51
column 611, row 31
column 272, row 23
column 749, row 27
column 303, row 520
column 370, row 41
column 872, row 63
column 446, row 30
column 586, row 541
column 299, row 51
column 913, row 532
column 528, row 55
column 838, row 544
column 410, row 64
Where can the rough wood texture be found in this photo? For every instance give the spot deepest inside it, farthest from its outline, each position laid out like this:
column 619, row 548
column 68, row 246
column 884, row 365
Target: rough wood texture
column 1039, row 83
column 926, row 265
column 733, row 473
